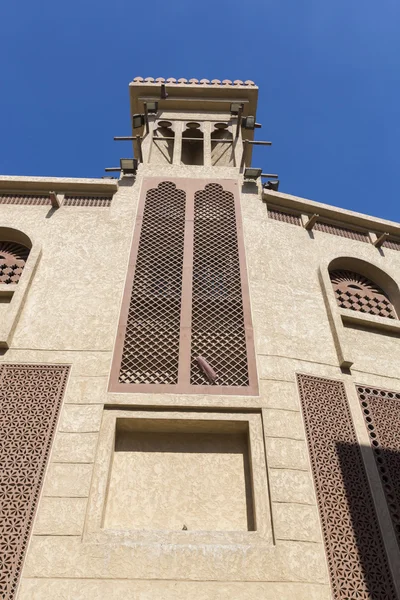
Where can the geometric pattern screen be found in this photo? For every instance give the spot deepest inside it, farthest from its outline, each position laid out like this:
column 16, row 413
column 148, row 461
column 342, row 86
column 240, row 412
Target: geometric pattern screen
column 356, row 292
column 357, row 561
column 30, row 401
column 13, row 257
column 151, row 346
column 381, row 410
column 184, row 309
column 218, row 333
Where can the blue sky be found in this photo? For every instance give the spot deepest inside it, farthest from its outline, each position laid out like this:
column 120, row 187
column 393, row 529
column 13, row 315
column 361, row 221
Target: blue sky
column 328, row 74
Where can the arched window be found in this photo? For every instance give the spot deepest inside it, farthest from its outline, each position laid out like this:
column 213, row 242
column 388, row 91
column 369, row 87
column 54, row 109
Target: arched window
column 13, row 257
column 357, row 292
column 192, row 145
column 222, row 154
column 162, row 151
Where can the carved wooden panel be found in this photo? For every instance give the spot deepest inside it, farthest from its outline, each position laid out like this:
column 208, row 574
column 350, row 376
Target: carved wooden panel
column 381, row 410
column 30, row 400
column 357, row 560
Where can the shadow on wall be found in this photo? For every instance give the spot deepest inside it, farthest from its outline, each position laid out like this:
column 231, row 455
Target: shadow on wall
column 356, row 539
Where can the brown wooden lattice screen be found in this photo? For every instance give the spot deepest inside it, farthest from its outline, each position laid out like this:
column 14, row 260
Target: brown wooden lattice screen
column 30, row 401
column 357, row 561
column 186, row 294
column 151, row 346
column 218, row 332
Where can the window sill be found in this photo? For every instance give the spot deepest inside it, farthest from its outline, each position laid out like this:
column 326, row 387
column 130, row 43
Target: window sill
column 351, row 317
column 8, row 287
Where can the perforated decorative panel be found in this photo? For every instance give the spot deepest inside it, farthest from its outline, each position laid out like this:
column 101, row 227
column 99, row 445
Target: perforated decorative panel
column 185, row 324
column 285, row 217
column 356, row 292
column 218, row 333
column 346, row 232
column 151, row 347
column 30, row 400
column 357, row 560
column 381, row 409
column 13, row 257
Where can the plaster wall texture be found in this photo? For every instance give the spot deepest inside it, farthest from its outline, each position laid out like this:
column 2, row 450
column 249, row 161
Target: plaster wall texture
column 70, row 315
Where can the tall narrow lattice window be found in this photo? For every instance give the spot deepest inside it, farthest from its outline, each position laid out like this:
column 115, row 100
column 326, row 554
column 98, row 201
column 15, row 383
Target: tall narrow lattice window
column 218, row 333
column 151, row 347
column 185, row 323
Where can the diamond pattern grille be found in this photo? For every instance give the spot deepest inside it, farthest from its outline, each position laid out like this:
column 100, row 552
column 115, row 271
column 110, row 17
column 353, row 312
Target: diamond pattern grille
column 151, row 347
column 357, row 561
column 30, row 400
column 356, row 292
column 218, row 332
column 13, row 257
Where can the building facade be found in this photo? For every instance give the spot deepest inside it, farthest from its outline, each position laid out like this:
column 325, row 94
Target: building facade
column 199, row 376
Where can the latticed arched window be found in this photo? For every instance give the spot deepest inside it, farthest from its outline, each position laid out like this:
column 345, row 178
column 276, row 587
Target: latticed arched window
column 185, row 323
column 13, row 257
column 357, row 292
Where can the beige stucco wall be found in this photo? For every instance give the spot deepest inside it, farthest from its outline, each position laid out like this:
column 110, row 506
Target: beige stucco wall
column 70, row 315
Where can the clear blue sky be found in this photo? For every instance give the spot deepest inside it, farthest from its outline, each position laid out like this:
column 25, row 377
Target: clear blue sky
column 328, row 73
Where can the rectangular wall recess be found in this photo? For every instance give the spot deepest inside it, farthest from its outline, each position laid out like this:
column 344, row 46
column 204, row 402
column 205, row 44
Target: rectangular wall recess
column 170, row 477
column 180, row 475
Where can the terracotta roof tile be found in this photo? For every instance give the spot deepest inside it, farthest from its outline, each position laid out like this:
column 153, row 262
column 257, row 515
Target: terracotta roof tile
column 182, row 80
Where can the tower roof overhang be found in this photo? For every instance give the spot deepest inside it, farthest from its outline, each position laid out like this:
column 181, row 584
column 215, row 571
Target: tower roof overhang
column 193, row 95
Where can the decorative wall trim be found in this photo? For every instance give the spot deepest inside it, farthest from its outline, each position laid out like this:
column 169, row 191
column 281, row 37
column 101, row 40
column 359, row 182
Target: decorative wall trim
column 92, row 201
column 342, row 231
column 357, row 560
column 333, row 227
column 44, row 200
column 283, row 216
column 392, row 244
column 30, row 401
column 202, row 82
column 381, row 410
column 25, row 199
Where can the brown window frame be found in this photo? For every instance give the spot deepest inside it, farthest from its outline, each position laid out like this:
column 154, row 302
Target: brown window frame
column 190, row 187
